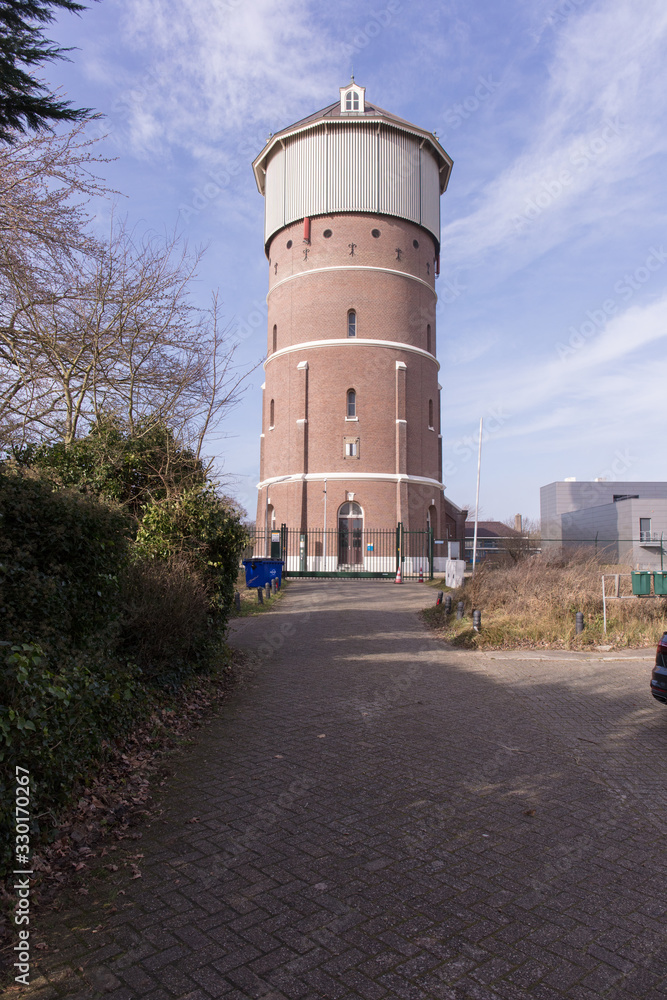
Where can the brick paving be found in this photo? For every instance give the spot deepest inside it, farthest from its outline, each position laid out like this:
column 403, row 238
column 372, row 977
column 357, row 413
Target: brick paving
column 381, row 817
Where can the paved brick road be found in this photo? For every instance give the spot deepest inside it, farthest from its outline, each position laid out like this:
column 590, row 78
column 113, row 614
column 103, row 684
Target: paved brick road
column 379, row 817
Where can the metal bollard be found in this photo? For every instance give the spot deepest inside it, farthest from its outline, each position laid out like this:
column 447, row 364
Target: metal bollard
column 477, row 621
column 439, row 598
column 579, row 618
column 460, row 607
column 268, row 591
column 237, row 600
column 260, row 596
column 448, row 604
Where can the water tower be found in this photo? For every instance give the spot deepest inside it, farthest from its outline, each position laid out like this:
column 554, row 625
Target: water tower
column 351, row 414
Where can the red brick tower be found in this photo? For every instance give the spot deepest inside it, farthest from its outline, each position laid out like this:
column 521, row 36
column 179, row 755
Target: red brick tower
column 351, row 397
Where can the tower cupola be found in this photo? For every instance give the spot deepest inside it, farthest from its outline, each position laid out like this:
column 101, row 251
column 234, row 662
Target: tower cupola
column 352, row 99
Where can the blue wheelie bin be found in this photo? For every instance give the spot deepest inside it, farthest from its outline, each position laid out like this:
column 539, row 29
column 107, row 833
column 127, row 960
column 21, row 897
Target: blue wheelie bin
column 259, row 572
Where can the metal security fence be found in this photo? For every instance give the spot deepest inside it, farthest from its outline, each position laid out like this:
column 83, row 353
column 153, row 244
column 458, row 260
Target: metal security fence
column 348, row 552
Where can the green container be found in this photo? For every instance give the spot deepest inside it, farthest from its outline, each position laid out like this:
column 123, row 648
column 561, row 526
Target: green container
column 660, row 584
column 641, row 584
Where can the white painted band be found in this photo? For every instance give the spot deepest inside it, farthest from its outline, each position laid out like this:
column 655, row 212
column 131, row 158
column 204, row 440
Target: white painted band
column 393, row 345
column 321, row 476
column 352, row 267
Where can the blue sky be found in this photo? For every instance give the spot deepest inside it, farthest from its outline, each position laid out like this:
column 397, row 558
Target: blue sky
column 552, row 313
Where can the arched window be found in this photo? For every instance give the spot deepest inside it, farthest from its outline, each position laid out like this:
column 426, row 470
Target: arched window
column 272, row 414
column 430, row 413
column 275, row 337
column 351, row 403
column 352, row 100
column 352, row 323
column 428, row 338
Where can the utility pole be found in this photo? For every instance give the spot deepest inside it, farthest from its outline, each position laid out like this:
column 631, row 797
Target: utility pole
column 479, row 466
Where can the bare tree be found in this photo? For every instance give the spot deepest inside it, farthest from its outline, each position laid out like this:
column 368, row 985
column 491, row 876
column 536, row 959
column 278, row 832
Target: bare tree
column 93, row 328
column 44, row 184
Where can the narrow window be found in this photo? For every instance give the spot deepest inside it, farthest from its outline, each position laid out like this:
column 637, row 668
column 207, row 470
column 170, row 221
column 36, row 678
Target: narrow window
column 271, row 414
column 351, row 403
column 428, row 338
column 275, row 337
column 352, row 324
column 645, row 529
column 348, row 101
column 430, row 413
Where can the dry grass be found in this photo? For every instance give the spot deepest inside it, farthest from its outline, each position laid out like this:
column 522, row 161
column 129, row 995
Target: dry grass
column 533, row 603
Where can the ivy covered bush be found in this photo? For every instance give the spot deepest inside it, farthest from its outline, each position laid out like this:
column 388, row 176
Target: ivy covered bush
column 203, row 527
column 57, row 717
column 94, row 625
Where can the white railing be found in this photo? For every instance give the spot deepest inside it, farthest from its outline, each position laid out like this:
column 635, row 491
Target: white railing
column 650, row 536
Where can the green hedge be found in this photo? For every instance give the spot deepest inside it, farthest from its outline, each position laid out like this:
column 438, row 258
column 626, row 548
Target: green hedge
column 56, row 721
column 60, row 555
column 96, row 626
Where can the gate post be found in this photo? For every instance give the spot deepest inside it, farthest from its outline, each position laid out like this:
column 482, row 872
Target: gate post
column 430, row 552
column 283, row 543
column 399, row 546
column 302, row 553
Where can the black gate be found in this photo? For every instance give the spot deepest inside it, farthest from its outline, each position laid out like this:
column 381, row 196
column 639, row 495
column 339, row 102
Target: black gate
column 352, row 551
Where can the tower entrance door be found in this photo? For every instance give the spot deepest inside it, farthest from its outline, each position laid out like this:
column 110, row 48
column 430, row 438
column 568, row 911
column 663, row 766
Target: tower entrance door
column 350, row 534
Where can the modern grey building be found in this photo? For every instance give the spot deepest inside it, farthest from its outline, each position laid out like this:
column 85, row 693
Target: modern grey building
column 625, row 521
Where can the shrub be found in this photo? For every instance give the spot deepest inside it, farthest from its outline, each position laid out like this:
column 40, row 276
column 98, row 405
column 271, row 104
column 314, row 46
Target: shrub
column 60, row 553
column 130, row 469
column 56, row 720
column 204, row 527
column 165, row 627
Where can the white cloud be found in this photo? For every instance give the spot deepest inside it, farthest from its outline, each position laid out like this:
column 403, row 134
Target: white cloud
column 218, row 66
column 608, row 374
column 598, row 125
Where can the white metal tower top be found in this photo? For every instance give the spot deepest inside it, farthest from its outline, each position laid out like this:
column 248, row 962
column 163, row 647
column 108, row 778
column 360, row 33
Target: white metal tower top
column 352, row 156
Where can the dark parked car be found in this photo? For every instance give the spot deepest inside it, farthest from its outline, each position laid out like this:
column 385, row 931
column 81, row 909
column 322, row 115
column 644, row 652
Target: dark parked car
column 659, row 675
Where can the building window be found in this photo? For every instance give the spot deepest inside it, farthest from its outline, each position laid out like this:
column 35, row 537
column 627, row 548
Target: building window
column 352, row 100
column 430, row 415
column 327, row 234
column 645, row 529
column 351, row 447
column 275, row 337
column 375, row 233
column 271, row 414
column 428, row 338
column 351, row 403
column 352, row 324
